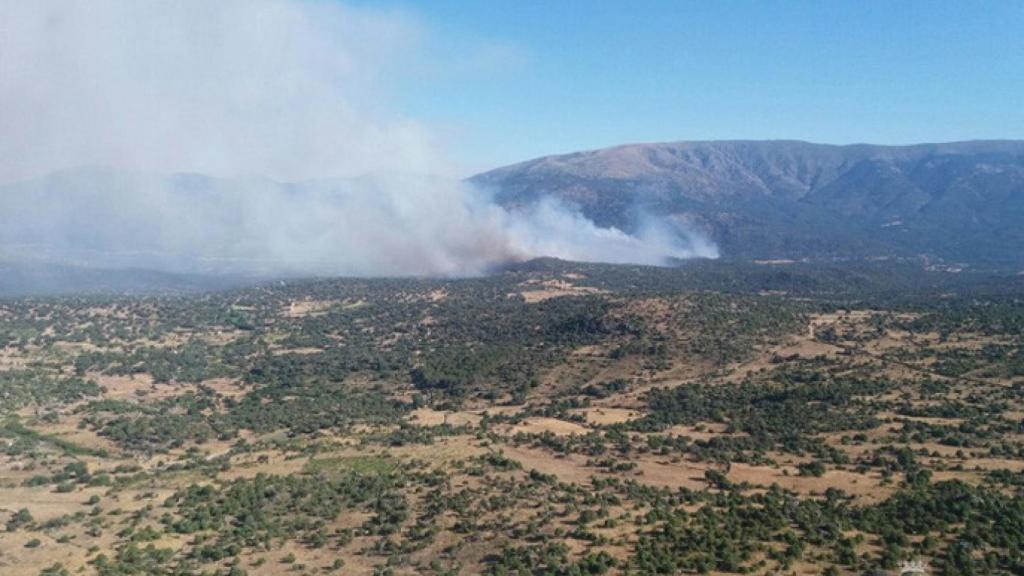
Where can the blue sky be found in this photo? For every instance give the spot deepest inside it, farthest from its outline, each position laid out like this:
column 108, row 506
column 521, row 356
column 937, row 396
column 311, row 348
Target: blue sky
column 518, row 79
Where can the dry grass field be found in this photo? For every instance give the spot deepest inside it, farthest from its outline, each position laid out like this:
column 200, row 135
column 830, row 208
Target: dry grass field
column 415, row 427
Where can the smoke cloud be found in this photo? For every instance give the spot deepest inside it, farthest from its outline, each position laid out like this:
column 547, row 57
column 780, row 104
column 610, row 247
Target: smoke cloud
column 551, row 229
column 271, row 113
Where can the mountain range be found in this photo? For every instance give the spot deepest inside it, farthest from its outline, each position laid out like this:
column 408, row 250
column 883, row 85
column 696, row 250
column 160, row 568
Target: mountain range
column 953, row 203
column 950, row 206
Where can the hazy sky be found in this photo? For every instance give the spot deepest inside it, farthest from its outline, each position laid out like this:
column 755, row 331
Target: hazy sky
column 299, row 90
column 517, row 79
column 101, row 100
column 320, row 88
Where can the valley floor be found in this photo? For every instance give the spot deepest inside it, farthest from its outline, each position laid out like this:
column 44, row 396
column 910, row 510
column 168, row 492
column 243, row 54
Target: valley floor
column 575, row 420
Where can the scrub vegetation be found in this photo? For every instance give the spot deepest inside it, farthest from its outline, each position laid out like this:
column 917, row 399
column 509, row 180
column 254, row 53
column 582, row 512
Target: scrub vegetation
column 548, row 419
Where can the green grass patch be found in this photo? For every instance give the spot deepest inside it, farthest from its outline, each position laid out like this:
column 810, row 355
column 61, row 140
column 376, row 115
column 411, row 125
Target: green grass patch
column 13, row 428
column 358, row 464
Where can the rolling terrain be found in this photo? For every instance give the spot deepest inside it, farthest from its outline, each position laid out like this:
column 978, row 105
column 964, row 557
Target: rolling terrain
column 551, row 419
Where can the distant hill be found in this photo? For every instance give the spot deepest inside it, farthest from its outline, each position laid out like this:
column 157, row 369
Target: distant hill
column 24, row 279
column 960, row 202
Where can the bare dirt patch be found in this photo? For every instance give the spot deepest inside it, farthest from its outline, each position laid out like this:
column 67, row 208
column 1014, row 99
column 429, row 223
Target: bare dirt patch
column 552, row 425
column 304, row 308
column 538, row 291
column 865, row 488
column 603, row 416
column 431, row 417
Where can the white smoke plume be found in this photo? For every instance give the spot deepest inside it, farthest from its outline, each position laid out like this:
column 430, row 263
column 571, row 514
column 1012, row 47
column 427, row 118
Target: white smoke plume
column 255, row 94
column 552, row 229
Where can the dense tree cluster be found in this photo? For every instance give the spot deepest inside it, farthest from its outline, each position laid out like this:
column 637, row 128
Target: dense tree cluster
column 19, row 388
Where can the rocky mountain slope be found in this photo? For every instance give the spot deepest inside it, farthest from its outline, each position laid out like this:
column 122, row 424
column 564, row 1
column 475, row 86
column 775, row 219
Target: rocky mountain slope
column 956, row 202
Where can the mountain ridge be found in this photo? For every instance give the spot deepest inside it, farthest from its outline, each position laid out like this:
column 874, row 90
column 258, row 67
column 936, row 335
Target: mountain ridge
column 957, row 201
